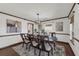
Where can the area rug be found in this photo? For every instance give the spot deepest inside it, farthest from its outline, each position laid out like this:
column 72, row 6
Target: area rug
column 22, row 51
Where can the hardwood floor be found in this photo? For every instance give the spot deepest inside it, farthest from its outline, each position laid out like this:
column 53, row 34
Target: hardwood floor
column 68, row 49
column 10, row 52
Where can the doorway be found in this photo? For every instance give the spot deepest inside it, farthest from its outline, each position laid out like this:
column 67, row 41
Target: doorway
column 72, row 29
column 30, row 28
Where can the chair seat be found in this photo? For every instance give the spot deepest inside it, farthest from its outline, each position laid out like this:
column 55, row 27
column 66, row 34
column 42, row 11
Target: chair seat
column 47, row 47
column 34, row 43
column 27, row 41
column 45, row 38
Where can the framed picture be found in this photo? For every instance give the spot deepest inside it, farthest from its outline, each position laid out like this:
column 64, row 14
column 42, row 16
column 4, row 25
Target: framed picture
column 13, row 26
column 59, row 26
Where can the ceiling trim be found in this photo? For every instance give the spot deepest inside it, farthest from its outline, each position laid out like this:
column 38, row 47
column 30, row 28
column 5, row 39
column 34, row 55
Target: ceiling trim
column 55, row 19
column 71, row 9
column 63, row 17
column 15, row 16
column 43, row 20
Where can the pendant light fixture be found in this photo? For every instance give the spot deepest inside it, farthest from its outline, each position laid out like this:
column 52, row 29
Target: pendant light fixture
column 39, row 24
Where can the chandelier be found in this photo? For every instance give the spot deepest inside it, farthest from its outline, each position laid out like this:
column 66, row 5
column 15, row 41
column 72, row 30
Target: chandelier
column 39, row 24
column 38, row 18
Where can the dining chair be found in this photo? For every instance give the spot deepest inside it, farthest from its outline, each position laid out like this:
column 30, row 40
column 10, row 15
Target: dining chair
column 54, row 38
column 34, row 43
column 44, row 46
column 25, row 40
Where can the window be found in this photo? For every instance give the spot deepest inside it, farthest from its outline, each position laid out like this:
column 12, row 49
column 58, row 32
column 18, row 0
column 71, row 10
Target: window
column 13, row 26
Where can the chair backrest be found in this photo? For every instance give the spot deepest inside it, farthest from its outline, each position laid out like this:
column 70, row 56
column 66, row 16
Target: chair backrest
column 44, row 42
column 23, row 37
column 52, row 34
column 30, row 37
column 41, row 40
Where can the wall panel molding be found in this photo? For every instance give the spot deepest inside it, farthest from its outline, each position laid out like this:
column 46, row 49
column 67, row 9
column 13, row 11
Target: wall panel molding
column 76, row 39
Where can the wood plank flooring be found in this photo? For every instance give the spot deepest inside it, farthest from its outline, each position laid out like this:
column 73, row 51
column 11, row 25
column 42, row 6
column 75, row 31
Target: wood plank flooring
column 10, row 52
column 68, row 49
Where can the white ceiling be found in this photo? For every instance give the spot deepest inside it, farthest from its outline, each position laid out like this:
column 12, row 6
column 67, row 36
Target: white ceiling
column 29, row 10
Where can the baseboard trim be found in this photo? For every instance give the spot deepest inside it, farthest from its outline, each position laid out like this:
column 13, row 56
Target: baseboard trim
column 62, row 42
